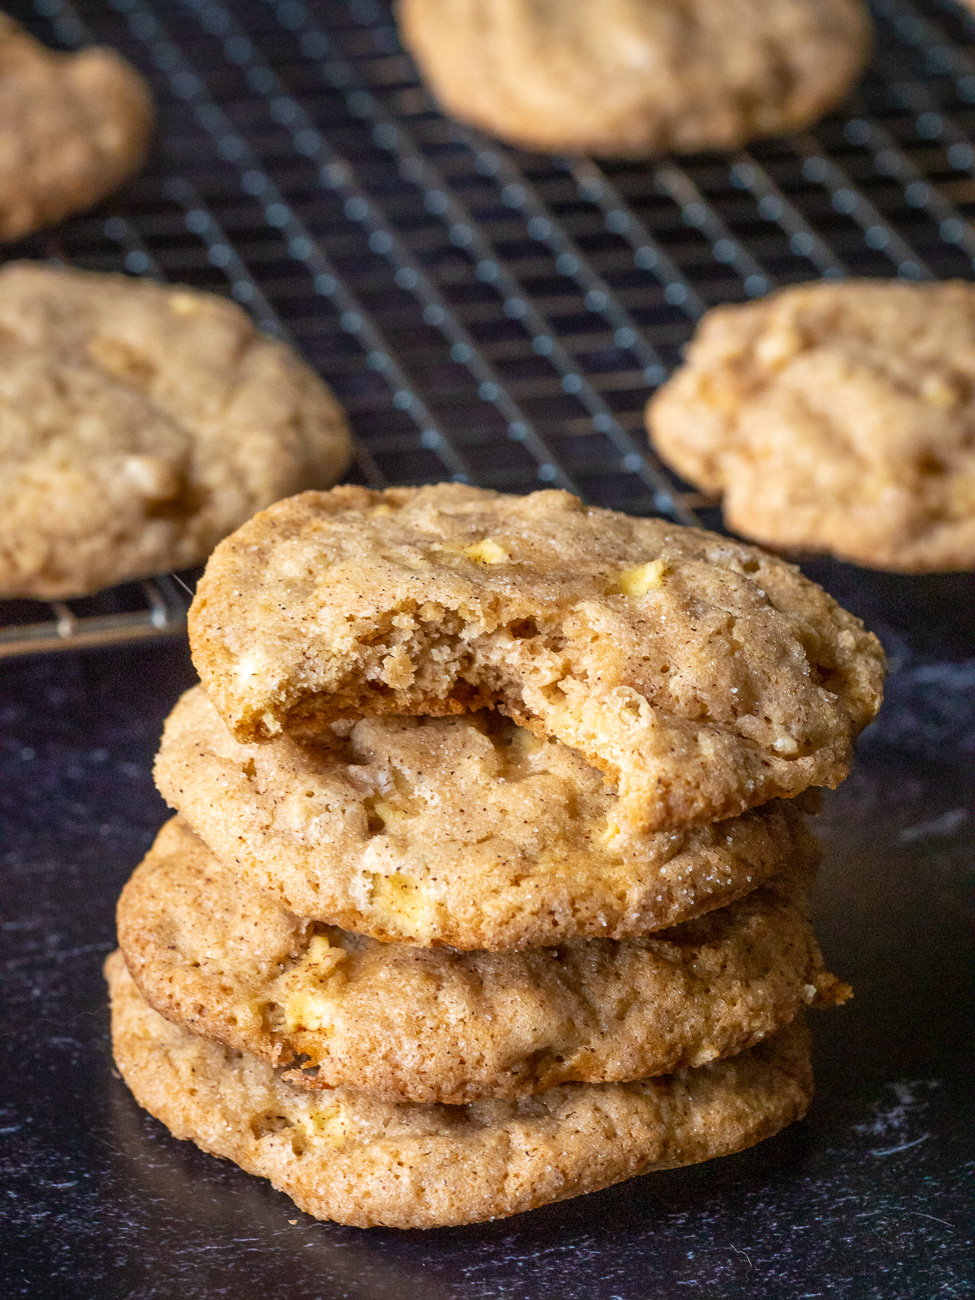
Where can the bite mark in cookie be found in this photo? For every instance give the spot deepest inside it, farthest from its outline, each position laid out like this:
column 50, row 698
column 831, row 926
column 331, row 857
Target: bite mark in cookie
column 467, row 831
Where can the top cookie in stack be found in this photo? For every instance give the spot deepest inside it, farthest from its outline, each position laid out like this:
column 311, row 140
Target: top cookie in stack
column 701, row 677
column 555, row 737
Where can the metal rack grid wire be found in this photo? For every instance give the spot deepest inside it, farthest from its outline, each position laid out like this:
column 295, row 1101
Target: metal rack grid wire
column 484, row 314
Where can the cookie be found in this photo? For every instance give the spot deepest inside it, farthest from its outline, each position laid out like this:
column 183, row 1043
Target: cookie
column 635, row 77
column 837, row 418
column 139, row 424
column 73, row 127
column 363, row 1161
column 701, row 676
column 435, row 1025
column 467, row 831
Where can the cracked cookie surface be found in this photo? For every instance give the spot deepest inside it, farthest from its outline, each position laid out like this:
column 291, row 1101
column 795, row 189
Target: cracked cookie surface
column 837, row 418
column 468, row 831
column 334, row 1009
column 73, row 127
column 139, row 424
column 637, row 76
column 358, row 1160
column 702, row 676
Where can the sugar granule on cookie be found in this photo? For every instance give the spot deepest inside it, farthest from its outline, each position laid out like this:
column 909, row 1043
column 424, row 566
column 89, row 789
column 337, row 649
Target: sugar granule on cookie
column 632, row 77
column 836, row 418
column 73, row 127
column 701, row 676
column 334, row 1009
column 139, row 424
column 468, row 831
column 358, row 1160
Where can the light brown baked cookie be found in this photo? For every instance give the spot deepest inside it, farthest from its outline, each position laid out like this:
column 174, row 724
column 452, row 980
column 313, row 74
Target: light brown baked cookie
column 835, row 417
column 467, row 831
column 414, row 1024
column 73, row 127
column 701, row 676
column 362, row 1161
column 139, row 424
column 637, row 76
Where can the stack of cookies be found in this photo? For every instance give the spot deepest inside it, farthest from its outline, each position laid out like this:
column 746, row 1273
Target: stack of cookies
column 490, row 877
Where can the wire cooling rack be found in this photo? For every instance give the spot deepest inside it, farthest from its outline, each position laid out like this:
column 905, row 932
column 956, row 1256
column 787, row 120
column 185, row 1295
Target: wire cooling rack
column 483, row 314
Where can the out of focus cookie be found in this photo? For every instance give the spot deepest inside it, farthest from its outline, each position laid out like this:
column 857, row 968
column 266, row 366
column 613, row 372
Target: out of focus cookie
column 637, row 76
column 835, row 417
column 73, row 127
column 467, row 831
column 346, row 1156
column 139, row 424
column 701, row 676
column 435, row 1025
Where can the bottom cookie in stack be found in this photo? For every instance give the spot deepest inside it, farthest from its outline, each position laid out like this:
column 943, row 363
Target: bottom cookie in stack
column 460, row 1086
column 359, row 1160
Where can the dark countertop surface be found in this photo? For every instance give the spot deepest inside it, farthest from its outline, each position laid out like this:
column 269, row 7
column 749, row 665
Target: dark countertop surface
column 869, row 1197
